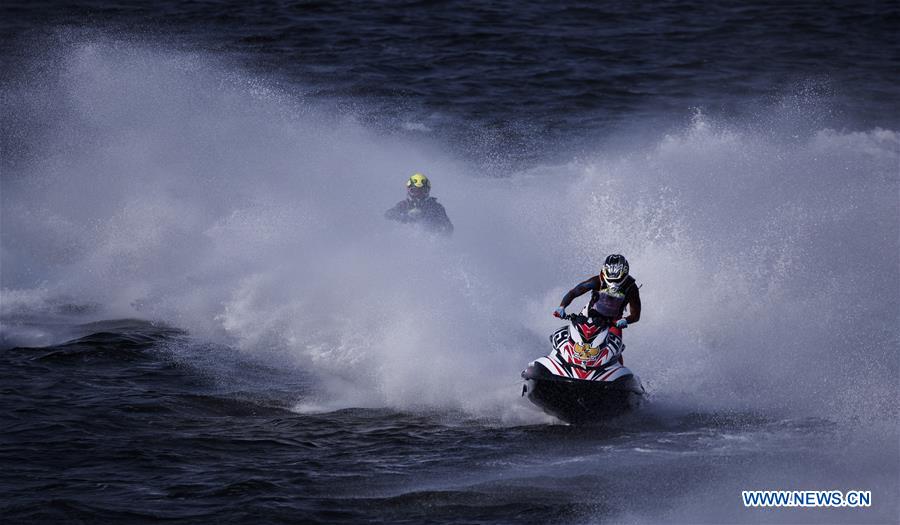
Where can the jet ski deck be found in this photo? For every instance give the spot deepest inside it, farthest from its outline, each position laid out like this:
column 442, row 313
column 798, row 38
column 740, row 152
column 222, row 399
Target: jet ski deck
column 578, row 401
column 583, row 380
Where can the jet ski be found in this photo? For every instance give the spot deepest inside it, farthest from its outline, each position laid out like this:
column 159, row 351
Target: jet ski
column 583, row 380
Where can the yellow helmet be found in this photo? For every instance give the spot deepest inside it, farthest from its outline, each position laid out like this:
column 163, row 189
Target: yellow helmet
column 418, row 186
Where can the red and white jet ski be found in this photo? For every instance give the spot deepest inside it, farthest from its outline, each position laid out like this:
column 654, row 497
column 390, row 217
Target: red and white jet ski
column 583, row 380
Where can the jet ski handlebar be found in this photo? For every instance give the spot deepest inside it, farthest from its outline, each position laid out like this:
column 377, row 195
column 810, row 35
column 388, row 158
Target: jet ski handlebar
column 578, row 318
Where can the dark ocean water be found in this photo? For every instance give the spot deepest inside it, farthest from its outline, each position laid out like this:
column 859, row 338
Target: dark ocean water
column 161, row 361
column 504, row 81
column 117, row 427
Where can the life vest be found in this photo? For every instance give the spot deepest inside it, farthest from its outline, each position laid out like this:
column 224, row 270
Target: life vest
column 610, row 301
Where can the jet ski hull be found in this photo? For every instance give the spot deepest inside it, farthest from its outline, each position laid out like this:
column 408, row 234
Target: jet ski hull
column 579, row 401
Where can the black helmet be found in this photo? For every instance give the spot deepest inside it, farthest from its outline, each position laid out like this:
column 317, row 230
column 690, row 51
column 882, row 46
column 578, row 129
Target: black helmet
column 615, row 269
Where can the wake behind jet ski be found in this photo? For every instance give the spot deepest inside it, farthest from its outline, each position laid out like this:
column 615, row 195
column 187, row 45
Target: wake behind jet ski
column 583, row 380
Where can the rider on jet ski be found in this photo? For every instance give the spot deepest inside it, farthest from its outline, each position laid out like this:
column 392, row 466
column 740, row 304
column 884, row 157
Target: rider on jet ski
column 611, row 292
column 420, row 208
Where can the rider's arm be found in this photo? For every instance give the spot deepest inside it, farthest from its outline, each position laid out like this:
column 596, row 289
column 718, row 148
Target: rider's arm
column 634, row 305
column 396, row 213
column 579, row 290
column 443, row 222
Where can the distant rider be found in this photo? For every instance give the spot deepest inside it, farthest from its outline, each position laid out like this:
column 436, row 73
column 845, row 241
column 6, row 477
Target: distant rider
column 420, row 208
column 611, row 292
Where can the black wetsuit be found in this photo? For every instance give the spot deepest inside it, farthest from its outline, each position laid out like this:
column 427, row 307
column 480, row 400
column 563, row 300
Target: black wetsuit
column 597, row 286
column 427, row 212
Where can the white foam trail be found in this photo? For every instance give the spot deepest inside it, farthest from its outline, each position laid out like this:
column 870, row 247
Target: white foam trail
column 163, row 185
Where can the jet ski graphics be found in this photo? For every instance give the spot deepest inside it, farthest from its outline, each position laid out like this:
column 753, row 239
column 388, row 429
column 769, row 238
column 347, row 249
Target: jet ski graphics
column 583, row 380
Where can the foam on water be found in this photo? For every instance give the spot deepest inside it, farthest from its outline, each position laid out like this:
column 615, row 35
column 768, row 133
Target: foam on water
column 150, row 183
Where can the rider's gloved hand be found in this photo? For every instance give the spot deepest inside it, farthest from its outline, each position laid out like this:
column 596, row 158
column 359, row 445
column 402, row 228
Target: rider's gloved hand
column 559, row 312
column 621, row 323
